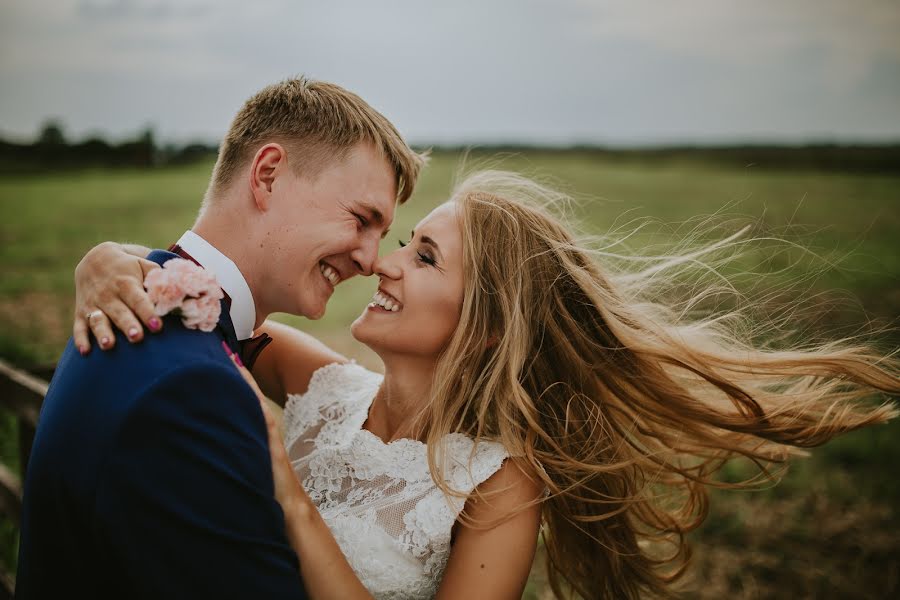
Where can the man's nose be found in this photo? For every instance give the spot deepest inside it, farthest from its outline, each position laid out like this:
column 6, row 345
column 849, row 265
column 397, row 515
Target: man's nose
column 364, row 256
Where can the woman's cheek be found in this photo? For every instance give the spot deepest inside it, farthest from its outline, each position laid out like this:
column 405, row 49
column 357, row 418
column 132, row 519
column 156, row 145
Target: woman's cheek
column 449, row 317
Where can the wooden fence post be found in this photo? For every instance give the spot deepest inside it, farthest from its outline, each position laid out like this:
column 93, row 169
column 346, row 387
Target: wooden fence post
column 21, row 393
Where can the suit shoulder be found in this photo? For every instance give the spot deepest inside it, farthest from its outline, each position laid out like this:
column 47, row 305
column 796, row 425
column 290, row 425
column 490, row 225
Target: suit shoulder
column 199, row 409
column 202, row 381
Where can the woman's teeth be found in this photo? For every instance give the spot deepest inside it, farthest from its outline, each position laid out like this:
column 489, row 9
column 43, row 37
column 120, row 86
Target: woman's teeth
column 385, row 302
column 330, row 274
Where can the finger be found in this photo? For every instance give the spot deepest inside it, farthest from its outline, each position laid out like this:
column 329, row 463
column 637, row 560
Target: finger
column 248, row 377
column 271, row 424
column 147, row 266
column 124, row 320
column 102, row 330
column 144, row 308
column 136, row 306
column 274, row 433
column 80, row 335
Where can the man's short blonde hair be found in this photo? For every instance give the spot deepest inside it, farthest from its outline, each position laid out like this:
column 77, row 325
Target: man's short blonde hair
column 316, row 122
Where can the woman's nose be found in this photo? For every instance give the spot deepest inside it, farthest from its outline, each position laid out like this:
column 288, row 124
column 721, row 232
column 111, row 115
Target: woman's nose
column 388, row 266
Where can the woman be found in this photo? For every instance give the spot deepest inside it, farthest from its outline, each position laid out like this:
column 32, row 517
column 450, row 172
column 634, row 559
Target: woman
column 526, row 386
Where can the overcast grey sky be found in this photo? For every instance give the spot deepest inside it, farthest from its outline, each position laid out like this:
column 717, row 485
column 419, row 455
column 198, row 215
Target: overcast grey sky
column 540, row 71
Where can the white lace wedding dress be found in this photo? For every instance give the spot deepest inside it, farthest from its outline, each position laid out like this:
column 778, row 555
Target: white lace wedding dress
column 385, row 511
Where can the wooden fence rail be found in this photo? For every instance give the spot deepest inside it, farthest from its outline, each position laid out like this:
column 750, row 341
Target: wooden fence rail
column 21, row 394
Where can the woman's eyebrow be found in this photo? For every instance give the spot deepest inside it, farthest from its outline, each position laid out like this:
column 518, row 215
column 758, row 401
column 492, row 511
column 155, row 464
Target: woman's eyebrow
column 430, row 242
column 427, row 241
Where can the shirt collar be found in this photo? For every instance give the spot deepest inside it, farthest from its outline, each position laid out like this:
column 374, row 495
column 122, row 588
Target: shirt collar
column 243, row 309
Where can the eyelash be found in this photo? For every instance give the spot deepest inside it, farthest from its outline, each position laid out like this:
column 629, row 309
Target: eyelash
column 362, row 220
column 422, row 257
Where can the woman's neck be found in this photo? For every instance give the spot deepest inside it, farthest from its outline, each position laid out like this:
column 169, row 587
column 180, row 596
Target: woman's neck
column 405, row 390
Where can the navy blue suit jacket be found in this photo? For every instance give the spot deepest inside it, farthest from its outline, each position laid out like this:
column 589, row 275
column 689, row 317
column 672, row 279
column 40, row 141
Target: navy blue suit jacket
column 150, row 477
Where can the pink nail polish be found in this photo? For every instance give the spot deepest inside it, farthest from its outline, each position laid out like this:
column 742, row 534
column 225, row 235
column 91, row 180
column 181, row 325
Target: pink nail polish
column 226, row 348
column 82, row 350
column 132, row 333
column 237, row 359
column 104, row 342
column 155, row 324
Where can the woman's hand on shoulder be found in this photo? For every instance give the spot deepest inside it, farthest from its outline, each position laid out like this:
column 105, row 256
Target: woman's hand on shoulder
column 109, row 292
column 493, row 548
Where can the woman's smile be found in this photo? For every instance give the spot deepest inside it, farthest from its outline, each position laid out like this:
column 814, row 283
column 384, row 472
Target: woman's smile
column 384, row 302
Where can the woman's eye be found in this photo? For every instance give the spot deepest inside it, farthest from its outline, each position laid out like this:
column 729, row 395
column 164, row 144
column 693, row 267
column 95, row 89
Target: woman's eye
column 423, row 258
column 362, row 220
column 426, row 259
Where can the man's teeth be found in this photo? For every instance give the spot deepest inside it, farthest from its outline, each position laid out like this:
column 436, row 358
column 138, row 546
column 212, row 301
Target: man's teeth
column 385, row 302
column 330, row 274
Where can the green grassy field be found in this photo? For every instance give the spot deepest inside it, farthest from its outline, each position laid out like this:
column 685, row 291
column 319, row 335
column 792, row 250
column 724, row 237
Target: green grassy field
column 829, row 530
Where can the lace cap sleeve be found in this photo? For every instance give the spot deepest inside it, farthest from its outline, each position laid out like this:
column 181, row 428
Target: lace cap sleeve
column 338, row 393
column 471, row 463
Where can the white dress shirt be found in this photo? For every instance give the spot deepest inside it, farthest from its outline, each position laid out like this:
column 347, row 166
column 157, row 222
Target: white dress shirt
column 243, row 309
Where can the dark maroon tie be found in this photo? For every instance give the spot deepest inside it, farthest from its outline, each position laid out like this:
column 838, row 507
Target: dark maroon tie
column 249, row 349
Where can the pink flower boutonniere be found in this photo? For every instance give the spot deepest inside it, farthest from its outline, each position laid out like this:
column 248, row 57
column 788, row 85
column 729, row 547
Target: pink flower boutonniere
column 183, row 288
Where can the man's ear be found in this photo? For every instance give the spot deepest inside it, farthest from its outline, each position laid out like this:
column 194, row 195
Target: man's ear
column 268, row 163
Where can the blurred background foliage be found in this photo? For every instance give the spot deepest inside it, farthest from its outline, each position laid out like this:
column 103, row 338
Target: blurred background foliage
column 669, row 118
column 829, row 529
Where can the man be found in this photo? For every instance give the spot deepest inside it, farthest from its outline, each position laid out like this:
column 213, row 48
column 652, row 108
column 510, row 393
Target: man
column 150, row 473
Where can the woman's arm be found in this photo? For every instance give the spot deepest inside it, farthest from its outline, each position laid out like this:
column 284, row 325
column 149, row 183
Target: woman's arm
column 110, row 278
column 287, row 365
column 493, row 550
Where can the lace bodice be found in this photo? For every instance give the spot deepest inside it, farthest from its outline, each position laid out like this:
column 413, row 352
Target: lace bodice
column 389, row 517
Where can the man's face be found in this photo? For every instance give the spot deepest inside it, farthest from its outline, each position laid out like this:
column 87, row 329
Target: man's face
column 326, row 229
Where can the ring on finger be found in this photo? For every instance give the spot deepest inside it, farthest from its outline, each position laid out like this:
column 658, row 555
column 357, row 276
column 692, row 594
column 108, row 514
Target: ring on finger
column 94, row 313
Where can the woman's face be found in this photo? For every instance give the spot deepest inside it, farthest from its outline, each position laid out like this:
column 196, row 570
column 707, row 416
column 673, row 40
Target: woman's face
column 420, row 290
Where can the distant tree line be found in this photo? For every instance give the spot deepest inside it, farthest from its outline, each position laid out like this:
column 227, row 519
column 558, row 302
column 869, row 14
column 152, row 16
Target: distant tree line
column 52, row 151
column 847, row 158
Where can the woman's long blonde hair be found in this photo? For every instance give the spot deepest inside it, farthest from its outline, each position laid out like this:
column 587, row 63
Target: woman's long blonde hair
column 618, row 397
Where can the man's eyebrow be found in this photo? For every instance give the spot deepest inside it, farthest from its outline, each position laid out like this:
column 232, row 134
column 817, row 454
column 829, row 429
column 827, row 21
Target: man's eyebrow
column 375, row 213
